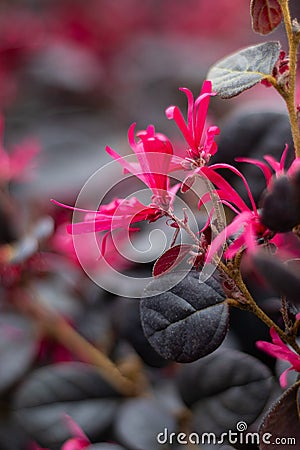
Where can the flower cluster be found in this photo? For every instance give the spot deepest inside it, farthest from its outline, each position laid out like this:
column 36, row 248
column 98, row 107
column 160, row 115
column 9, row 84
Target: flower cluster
column 155, row 160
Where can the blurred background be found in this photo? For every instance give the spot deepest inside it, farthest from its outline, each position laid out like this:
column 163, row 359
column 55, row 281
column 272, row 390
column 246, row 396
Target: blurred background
column 76, row 74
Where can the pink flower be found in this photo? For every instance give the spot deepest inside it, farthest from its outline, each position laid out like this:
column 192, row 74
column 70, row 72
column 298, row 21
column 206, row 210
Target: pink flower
column 79, row 440
column 280, row 350
column 246, row 224
column 154, row 153
column 13, row 166
column 119, row 213
column 199, row 150
column 90, row 255
column 277, row 166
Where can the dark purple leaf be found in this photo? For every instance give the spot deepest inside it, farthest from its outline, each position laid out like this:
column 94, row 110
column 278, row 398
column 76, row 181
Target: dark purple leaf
column 281, row 277
column 75, row 389
column 281, row 206
column 266, row 15
column 139, row 421
column 282, row 422
column 127, row 322
column 18, row 348
column 224, row 388
column 186, row 322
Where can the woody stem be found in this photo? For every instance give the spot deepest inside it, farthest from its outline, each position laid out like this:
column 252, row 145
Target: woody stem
column 182, row 224
column 293, row 37
column 58, row 328
column 251, row 305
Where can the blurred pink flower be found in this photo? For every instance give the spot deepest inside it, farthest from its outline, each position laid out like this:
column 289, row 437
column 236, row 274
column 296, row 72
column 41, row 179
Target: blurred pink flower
column 278, row 349
column 21, row 36
column 14, row 165
column 91, row 255
column 200, row 150
column 79, row 440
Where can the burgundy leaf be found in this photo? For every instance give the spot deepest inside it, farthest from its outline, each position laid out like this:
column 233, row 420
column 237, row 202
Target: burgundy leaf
column 282, row 421
column 266, row 15
column 170, row 259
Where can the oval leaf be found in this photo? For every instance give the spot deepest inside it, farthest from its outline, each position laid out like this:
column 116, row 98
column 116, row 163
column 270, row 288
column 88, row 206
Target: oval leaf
column 187, row 322
column 140, row 422
column 75, row 389
column 282, row 422
column 281, row 206
column 18, row 348
column 224, row 388
column 171, row 259
column 127, row 322
column 280, row 277
column 242, row 70
column 266, row 15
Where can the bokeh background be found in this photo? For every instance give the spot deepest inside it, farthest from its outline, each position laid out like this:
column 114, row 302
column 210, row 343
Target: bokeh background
column 74, row 74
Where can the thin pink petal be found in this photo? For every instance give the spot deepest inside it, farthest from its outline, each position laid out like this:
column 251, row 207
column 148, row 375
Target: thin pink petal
column 209, row 146
column 133, row 167
column 283, row 157
column 239, row 174
column 283, row 378
column 174, row 113
column 236, row 245
column 74, row 428
column 294, row 167
column 273, row 163
column 201, row 108
column 265, row 169
column 223, row 185
column 231, row 229
column 190, row 114
column 72, row 208
column 250, row 237
column 131, row 139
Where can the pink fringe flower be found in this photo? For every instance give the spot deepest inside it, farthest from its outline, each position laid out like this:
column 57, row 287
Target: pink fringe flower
column 14, row 165
column 199, row 149
column 154, row 152
column 278, row 349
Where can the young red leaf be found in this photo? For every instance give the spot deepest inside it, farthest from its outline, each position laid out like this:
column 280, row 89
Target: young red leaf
column 266, row 15
column 171, row 259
